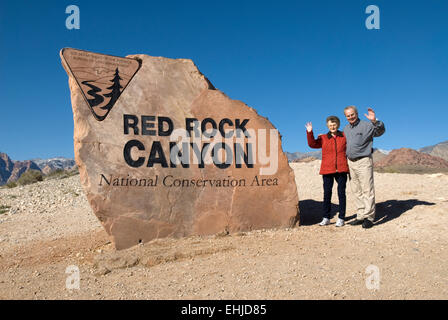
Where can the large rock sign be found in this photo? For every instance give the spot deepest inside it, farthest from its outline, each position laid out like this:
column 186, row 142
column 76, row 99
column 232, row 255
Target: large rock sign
column 162, row 153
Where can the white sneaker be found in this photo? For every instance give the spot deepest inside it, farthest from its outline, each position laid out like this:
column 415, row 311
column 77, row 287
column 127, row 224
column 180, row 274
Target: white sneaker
column 340, row 223
column 325, row 221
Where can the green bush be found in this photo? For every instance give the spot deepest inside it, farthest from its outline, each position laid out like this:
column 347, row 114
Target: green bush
column 30, row 176
column 11, row 185
column 55, row 174
column 62, row 174
column 4, row 209
column 73, row 172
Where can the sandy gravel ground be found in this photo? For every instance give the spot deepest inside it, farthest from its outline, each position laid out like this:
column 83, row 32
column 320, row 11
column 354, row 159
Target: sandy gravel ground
column 49, row 227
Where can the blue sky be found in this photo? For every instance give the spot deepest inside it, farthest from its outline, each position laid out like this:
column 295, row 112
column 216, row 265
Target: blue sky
column 293, row 61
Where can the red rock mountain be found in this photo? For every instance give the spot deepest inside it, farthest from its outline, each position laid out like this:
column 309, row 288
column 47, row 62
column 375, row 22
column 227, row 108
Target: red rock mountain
column 11, row 171
column 6, row 167
column 378, row 155
column 438, row 150
column 410, row 157
column 20, row 167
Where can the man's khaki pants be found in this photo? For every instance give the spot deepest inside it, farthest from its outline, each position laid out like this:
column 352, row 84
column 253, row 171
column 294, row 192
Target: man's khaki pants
column 361, row 184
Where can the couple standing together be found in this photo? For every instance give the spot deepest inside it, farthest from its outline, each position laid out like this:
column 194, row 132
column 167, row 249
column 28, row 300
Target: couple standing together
column 348, row 154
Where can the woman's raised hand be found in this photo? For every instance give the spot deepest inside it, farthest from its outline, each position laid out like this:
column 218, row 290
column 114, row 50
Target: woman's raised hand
column 309, row 126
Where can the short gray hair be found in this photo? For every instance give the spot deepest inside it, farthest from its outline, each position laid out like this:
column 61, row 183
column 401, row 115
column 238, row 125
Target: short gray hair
column 351, row 107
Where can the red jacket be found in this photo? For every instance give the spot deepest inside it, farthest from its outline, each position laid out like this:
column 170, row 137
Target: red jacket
column 334, row 158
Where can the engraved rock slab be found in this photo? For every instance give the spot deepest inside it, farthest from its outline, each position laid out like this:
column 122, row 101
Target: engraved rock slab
column 162, row 153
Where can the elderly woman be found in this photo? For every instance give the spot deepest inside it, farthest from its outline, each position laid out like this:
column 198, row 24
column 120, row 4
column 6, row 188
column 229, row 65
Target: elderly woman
column 334, row 165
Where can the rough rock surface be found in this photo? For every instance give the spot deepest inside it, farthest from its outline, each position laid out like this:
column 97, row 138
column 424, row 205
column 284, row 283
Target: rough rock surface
column 132, row 215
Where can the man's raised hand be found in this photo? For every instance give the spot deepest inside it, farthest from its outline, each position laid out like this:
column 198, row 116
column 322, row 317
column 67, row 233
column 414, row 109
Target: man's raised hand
column 371, row 115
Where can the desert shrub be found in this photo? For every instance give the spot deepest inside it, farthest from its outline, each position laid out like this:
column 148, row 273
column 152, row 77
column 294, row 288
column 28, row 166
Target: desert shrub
column 30, row 176
column 56, row 173
column 62, row 174
column 4, row 208
column 11, row 185
column 73, row 172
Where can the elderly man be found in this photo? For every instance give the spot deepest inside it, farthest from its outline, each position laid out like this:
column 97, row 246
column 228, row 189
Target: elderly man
column 359, row 135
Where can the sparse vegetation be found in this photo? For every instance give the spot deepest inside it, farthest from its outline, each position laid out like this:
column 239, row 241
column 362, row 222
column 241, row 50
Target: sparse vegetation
column 11, row 185
column 61, row 174
column 33, row 176
column 72, row 192
column 55, row 174
column 4, row 209
column 410, row 169
column 29, row 177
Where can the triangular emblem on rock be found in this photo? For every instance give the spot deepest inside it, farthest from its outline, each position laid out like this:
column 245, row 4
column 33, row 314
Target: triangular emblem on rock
column 101, row 78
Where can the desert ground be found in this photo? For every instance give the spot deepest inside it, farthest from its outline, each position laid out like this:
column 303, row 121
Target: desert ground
column 49, row 227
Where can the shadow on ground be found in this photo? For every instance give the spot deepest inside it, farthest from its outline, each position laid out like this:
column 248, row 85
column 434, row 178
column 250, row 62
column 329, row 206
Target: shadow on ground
column 311, row 210
column 392, row 209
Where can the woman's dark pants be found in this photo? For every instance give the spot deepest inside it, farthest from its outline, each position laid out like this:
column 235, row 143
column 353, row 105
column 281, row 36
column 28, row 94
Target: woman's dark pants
column 341, row 179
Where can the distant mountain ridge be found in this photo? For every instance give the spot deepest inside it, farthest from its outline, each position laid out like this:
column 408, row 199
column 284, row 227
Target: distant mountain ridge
column 295, row 156
column 49, row 165
column 438, row 150
column 58, row 162
column 20, row 167
column 10, row 170
column 424, row 160
column 6, row 167
column 386, row 152
column 301, row 155
column 407, row 160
